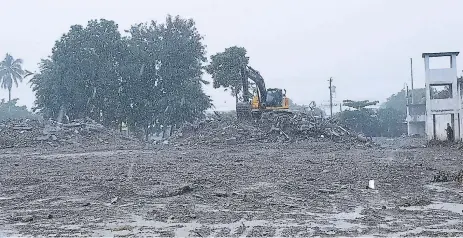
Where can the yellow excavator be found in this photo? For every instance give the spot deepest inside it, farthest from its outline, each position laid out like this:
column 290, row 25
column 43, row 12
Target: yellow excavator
column 272, row 99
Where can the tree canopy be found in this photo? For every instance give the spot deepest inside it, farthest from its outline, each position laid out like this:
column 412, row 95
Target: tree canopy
column 151, row 77
column 358, row 104
column 225, row 69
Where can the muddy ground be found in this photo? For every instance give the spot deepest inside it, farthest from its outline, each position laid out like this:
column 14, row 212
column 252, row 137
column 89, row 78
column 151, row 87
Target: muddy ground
column 304, row 189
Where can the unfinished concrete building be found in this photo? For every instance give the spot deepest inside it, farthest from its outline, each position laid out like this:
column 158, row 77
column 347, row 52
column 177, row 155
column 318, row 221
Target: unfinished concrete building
column 443, row 98
column 416, row 113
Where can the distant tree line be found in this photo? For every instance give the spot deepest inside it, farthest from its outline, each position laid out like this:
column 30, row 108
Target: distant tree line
column 10, row 110
column 385, row 121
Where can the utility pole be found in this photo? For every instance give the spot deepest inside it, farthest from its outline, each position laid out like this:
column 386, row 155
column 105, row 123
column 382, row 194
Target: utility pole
column 411, row 76
column 331, row 96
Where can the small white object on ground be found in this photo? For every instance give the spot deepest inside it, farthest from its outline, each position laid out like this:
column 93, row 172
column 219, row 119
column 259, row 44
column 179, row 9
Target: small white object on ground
column 371, row 184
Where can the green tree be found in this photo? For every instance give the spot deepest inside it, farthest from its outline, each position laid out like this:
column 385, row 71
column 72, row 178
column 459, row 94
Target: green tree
column 48, row 94
column 149, row 79
column 81, row 77
column 391, row 122
column 182, row 56
column 163, row 73
column 398, row 101
column 382, row 122
column 11, row 72
column 361, row 118
column 225, row 69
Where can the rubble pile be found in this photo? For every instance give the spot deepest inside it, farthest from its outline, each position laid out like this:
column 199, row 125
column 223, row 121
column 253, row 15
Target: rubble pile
column 29, row 133
column 271, row 127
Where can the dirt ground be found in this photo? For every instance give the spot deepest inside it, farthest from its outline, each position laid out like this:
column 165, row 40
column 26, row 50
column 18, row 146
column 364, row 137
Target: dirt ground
column 304, row 189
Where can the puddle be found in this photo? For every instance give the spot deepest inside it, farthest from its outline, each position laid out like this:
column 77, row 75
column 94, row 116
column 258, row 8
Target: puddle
column 6, row 198
column 440, row 188
column 259, row 186
column 419, row 230
column 140, row 226
column 387, row 159
column 451, row 207
column 349, row 215
column 437, row 188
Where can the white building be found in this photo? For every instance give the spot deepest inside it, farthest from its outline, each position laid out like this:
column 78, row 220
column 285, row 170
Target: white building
column 443, row 100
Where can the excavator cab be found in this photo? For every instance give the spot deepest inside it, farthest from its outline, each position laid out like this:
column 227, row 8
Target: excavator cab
column 276, row 99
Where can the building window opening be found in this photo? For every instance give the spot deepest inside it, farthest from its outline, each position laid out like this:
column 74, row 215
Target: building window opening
column 443, row 62
column 440, row 91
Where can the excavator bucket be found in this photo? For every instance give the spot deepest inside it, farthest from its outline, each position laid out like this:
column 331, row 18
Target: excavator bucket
column 243, row 111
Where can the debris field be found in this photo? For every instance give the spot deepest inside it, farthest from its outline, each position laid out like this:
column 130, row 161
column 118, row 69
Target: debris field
column 271, row 127
column 279, row 178
column 50, row 134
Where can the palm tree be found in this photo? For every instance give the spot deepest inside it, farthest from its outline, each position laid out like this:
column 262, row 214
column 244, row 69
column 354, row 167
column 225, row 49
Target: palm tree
column 11, row 72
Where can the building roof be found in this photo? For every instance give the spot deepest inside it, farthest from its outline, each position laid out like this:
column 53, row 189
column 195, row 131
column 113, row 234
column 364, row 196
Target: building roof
column 439, row 54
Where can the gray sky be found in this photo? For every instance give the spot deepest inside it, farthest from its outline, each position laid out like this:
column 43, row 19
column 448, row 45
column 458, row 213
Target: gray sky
column 365, row 45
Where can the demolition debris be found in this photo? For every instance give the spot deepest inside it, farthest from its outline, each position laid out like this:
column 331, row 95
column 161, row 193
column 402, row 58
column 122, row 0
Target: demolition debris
column 30, row 133
column 271, row 127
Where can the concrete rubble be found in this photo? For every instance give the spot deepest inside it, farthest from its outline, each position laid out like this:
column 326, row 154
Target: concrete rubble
column 35, row 133
column 272, row 127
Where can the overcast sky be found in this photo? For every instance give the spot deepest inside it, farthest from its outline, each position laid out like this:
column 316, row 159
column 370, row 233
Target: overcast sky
column 365, row 45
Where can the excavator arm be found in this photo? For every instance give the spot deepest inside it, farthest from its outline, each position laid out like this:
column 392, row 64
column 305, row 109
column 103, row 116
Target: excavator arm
column 243, row 109
column 249, row 73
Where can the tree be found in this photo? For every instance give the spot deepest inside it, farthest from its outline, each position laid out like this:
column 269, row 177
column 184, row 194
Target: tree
column 81, row 77
column 139, row 79
column 398, row 101
column 361, row 119
column 391, row 122
column 163, row 70
column 225, row 69
column 182, row 56
column 382, row 122
column 11, row 72
column 149, row 79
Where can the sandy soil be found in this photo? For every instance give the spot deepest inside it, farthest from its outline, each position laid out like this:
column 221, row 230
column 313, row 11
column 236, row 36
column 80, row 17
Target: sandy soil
column 307, row 189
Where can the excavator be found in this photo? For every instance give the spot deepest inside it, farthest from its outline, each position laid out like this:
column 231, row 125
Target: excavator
column 271, row 99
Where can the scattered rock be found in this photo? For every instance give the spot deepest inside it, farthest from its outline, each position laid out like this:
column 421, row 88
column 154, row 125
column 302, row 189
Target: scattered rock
column 231, row 141
column 443, row 176
column 221, row 194
column 22, row 128
column 114, row 200
column 416, row 202
column 27, row 219
column 327, row 191
column 178, row 191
